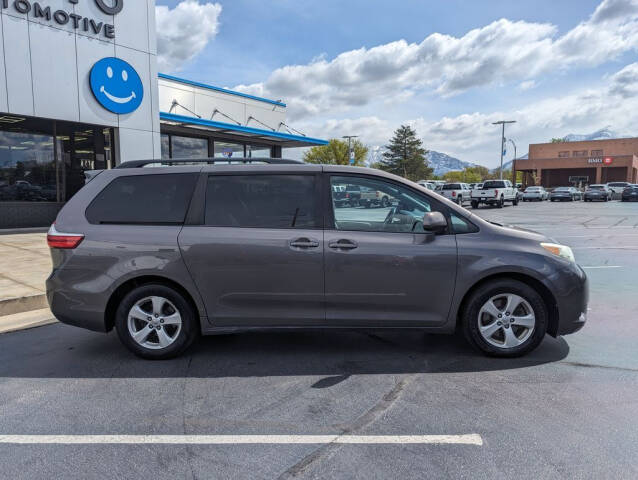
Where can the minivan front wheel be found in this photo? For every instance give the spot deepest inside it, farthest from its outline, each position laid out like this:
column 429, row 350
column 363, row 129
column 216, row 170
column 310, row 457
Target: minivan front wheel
column 505, row 318
column 155, row 322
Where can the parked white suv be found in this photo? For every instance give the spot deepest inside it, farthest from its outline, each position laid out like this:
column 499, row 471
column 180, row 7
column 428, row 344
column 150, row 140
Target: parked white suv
column 495, row 192
column 457, row 192
column 617, row 188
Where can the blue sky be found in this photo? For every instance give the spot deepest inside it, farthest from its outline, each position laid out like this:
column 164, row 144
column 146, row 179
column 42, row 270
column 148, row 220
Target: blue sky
column 449, row 87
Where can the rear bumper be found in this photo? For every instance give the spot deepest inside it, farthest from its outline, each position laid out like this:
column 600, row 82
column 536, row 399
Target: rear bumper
column 75, row 307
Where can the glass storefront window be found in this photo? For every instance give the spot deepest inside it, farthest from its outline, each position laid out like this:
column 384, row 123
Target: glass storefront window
column 166, row 146
column 44, row 161
column 228, row 150
column 27, row 163
column 188, row 147
column 258, row 151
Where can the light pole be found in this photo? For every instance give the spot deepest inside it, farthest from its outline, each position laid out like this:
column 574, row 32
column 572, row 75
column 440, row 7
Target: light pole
column 502, row 123
column 513, row 163
column 350, row 151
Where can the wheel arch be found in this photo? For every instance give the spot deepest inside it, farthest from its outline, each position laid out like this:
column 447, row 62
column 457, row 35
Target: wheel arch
column 122, row 290
column 540, row 287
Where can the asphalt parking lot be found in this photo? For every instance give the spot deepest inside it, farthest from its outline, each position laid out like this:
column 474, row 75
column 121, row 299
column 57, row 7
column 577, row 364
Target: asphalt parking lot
column 569, row 410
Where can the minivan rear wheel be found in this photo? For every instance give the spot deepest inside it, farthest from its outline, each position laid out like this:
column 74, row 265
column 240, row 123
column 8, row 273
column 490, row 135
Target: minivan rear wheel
column 155, row 322
column 505, row 318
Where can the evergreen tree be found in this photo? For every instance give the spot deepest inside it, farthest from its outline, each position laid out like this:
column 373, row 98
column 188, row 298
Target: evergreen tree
column 405, row 155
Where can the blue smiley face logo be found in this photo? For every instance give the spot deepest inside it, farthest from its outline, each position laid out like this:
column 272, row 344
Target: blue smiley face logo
column 116, row 85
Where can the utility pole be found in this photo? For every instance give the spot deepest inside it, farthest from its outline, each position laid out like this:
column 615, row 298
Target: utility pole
column 350, row 151
column 502, row 123
column 513, row 163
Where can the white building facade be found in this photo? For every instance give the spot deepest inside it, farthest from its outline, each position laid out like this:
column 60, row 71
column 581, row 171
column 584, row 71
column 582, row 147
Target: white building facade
column 80, row 90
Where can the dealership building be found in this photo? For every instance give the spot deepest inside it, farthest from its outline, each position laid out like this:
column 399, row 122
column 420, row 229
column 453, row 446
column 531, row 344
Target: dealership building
column 80, row 90
column 574, row 163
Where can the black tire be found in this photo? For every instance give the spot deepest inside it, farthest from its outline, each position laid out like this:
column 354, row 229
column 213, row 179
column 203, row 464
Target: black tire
column 500, row 203
column 459, row 200
column 189, row 326
column 515, row 201
column 475, row 204
column 470, row 317
column 385, row 202
column 354, row 203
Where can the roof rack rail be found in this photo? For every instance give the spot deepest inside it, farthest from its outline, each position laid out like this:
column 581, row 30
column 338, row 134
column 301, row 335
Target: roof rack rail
column 210, row 161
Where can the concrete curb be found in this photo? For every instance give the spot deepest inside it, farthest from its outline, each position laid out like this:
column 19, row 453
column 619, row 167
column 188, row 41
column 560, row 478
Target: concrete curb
column 11, row 306
column 26, row 320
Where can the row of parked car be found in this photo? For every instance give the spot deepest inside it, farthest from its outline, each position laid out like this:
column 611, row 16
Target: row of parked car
column 595, row 192
column 498, row 192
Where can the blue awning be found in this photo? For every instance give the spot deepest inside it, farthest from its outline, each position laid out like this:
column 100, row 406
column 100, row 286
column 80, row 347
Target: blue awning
column 284, row 139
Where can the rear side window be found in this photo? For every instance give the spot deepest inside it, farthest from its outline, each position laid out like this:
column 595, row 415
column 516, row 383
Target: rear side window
column 452, row 186
column 262, row 201
column 143, row 200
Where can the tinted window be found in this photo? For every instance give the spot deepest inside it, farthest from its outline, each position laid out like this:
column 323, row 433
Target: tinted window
column 460, row 225
column 398, row 209
column 494, row 184
column 143, row 200
column 262, row 201
column 452, row 186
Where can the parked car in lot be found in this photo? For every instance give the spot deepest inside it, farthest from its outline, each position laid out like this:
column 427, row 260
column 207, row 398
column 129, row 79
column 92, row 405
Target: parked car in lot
column 617, row 188
column 495, row 192
column 597, row 192
column 457, row 192
column 164, row 254
column 532, row 194
column 374, row 198
column 569, row 194
column 630, row 194
column 426, row 184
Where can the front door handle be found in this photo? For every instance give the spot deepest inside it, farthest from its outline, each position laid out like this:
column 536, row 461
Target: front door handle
column 304, row 243
column 343, row 244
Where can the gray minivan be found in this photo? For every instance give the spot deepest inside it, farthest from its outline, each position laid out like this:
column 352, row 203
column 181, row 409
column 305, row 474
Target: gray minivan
column 166, row 254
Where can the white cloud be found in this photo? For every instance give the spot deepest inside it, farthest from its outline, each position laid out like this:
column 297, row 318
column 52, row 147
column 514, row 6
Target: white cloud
column 184, row 31
column 472, row 137
column 527, row 85
column 500, row 52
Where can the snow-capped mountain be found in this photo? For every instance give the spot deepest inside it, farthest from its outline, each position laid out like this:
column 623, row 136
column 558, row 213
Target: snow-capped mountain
column 508, row 165
column 602, row 134
column 443, row 163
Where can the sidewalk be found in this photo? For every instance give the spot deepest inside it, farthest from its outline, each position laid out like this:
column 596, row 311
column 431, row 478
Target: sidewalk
column 25, row 263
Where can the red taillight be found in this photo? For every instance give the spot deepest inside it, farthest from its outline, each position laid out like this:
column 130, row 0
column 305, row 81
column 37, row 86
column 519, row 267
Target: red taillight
column 66, row 241
column 378, row 194
column 347, row 195
column 496, row 193
column 454, row 194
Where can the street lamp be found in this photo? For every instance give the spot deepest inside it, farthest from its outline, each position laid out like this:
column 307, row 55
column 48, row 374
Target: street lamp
column 350, row 151
column 502, row 123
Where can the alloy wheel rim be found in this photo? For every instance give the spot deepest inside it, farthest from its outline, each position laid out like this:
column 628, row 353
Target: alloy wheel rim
column 506, row 321
column 154, row 322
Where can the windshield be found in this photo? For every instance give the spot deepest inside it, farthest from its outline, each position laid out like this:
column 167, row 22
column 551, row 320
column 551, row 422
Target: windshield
column 493, row 184
column 532, row 189
column 452, row 186
column 596, row 187
column 562, row 189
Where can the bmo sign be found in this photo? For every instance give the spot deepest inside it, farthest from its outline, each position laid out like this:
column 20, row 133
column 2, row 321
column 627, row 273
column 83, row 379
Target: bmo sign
column 67, row 16
column 603, row 160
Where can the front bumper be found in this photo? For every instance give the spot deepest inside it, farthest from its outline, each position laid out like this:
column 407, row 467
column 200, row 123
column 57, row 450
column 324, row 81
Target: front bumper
column 572, row 297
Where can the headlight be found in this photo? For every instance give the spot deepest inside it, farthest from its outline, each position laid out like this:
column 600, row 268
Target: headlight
column 559, row 250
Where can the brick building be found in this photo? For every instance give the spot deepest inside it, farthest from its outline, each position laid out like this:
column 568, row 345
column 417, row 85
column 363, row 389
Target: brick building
column 567, row 163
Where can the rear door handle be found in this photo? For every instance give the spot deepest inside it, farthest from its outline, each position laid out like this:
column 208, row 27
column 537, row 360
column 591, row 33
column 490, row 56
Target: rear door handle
column 343, row 244
column 304, row 243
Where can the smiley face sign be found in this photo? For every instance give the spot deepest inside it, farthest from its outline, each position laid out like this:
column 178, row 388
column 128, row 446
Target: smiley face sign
column 116, row 85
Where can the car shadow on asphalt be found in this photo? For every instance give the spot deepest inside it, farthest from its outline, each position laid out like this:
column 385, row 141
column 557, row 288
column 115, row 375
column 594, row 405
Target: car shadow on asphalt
column 60, row 351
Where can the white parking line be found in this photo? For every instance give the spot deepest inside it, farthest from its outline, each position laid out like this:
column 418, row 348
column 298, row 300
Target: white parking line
column 602, row 266
column 627, row 247
column 468, row 439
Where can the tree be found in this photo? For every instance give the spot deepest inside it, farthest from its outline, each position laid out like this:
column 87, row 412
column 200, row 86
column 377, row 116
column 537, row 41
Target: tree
column 558, row 140
column 405, row 155
column 465, row 176
column 336, row 153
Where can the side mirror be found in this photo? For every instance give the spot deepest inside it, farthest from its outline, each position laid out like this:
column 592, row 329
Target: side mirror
column 434, row 222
